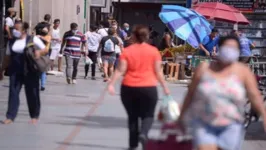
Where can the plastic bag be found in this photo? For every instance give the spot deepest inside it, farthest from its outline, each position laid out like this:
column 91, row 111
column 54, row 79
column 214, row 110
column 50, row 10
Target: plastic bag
column 87, row 61
column 169, row 110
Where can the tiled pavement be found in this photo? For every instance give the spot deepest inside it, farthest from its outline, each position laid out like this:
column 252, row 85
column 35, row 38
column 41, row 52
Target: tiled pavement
column 76, row 117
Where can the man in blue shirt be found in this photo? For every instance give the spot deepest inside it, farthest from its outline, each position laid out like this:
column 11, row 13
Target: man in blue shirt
column 209, row 43
column 246, row 46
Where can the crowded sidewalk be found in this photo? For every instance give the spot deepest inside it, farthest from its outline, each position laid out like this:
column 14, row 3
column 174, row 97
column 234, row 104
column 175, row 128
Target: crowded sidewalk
column 76, row 117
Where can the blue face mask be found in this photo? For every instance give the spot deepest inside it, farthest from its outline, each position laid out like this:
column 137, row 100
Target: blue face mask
column 127, row 28
column 16, row 33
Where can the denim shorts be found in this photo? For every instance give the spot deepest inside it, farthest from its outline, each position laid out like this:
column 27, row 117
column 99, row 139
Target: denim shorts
column 226, row 137
column 109, row 59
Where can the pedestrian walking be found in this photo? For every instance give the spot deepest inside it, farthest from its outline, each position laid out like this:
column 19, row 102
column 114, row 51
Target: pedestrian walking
column 74, row 43
column 56, row 45
column 140, row 64
column 19, row 75
column 103, row 29
column 118, row 49
column 216, row 97
column 9, row 24
column 107, row 50
column 46, row 38
column 93, row 40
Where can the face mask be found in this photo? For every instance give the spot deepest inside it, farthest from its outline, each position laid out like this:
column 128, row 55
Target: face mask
column 115, row 27
column 16, row 33
column 74, row 31
column 127, row 28
column 228, row 54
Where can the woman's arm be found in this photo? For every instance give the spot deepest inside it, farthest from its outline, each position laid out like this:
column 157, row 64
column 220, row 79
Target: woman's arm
column 254, row 94
column 160, row 76
column 191, row 90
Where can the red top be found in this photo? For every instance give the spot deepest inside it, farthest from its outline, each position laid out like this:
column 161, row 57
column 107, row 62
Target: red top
column 140, row 60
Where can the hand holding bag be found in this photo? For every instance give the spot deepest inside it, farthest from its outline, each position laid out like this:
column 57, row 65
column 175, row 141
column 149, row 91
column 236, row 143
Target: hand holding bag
column 169, row 110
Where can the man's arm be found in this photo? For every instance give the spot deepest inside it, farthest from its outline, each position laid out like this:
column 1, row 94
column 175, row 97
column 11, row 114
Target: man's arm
column 63, row 44
column 8, row 31
column 204, row 49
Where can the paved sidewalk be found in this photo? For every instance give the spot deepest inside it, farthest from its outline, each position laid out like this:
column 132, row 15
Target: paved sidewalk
column 74, row 117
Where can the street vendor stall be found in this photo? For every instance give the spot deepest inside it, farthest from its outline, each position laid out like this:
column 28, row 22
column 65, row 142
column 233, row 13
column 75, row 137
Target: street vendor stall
column 189, row 26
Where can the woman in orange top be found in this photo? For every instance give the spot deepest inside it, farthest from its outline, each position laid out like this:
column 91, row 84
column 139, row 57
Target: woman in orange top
column 141, row 65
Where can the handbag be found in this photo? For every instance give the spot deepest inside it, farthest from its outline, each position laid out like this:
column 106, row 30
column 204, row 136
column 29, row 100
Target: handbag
column 169, row 110
column 31, row 63
column 171, row 139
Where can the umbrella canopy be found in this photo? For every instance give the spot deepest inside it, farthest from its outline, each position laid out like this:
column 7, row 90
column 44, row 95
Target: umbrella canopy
column 221, row 12
column 186, row 24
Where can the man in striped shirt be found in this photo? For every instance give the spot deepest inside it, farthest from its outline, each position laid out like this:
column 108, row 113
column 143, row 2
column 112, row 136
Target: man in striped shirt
column 74, row 42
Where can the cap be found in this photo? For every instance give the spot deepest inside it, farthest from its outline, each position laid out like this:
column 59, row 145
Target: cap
column 11, row 9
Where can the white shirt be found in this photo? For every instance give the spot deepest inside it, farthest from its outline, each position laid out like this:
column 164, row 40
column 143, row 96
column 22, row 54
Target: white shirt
column 103, row 32
column 117, row 47
column 55, row 35
column 9, row 22
column 20, row 44
column 93, row 40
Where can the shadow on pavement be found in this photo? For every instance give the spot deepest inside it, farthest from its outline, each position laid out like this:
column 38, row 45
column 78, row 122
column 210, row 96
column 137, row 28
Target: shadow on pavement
column 255, row 132
column 92, row 146
column 97, row 122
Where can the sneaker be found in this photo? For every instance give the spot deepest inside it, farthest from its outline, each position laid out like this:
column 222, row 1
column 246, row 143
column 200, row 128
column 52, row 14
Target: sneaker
column 68, row 81
column 93, row 78
column 86, row 77
column 74, row 81
column 42, row 88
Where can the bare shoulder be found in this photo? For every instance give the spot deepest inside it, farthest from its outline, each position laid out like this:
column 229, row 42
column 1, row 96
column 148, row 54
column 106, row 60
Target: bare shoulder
column 243, row 70
column 200, row 69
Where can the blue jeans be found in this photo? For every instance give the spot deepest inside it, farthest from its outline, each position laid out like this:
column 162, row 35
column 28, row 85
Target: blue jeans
column 228, row 137
column 43, row 79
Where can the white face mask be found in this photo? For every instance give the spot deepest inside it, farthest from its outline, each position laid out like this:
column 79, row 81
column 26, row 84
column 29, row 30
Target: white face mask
column 228, row 54
column 16, row 33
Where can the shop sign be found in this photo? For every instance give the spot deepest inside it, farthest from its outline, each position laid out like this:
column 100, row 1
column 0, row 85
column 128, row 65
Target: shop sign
column 248, row 6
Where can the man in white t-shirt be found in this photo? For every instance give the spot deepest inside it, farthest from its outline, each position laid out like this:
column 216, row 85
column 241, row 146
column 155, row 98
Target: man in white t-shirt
column 103, row 29
column 56, row 45
column 9, row 23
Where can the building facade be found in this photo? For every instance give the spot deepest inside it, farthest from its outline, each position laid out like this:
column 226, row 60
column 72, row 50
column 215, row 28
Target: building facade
column 67, row 11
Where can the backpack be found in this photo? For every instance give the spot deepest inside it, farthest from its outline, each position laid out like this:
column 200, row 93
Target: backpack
column 109, row 46
column 31, row 63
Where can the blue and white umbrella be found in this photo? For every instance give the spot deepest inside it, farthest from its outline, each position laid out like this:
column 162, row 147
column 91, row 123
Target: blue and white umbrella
column 186, row 24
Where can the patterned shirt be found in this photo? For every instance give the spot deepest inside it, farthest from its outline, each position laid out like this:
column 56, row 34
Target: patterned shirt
column 73, row 42
column 219, row 102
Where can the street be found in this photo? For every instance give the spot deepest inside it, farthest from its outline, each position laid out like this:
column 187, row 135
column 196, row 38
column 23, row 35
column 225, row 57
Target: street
column 77, row 117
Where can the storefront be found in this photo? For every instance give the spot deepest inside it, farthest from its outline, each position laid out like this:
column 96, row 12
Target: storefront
column 142, row 11
column 100, row 9
column 255, row 11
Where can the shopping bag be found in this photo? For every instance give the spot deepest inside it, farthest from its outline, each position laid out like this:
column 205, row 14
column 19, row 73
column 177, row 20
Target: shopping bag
column 87, row 61
column 169, row 110
column 171, row 138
